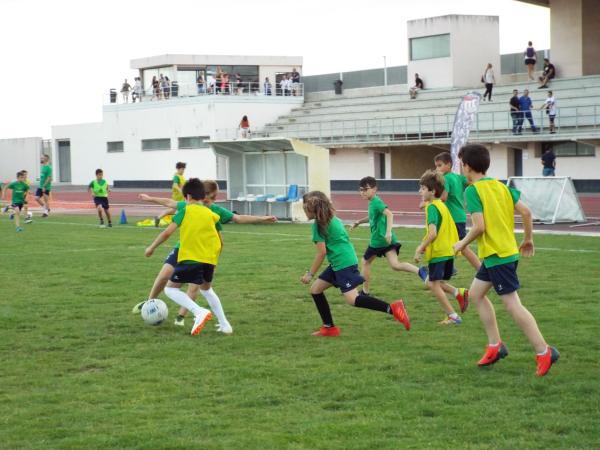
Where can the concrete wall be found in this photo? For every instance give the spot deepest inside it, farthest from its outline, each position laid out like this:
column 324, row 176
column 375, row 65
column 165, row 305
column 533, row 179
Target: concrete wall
column 20, row 154
column 351, row 163
column 411, row 162
column 565, row 37
column 591, row 39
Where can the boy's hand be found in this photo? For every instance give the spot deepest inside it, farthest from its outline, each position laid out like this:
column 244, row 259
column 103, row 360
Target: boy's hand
column 306, row 278
column 270, row 219
column 353, row 226
column 458, row 247
column 419, row 253
column 388, row 237
column 144, row 197
column 149, row 251
column 527, row 249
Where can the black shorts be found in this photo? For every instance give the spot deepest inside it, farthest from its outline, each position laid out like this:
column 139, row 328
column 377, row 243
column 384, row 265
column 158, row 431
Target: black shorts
column 530, row 61
column 503, row 277
column 462, row 230
column 17, row 205
column 101, row 201
column 172, row 257
column 39, row 192
column 381, row 251
column 195, row 273
column 345, row 279
column 441, row 270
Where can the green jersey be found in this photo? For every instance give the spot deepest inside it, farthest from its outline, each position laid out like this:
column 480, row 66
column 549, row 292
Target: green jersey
column 99, row 188
column 225, row 215
column 46, row 173
column 340, row 251
column 19, row 191
column 455, row 185
column 378, row 222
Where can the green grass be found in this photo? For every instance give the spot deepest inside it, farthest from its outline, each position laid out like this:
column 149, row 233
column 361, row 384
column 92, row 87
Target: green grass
column 78, row 370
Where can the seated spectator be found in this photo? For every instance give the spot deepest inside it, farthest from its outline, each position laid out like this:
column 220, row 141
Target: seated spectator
column 245, row 127
column 417, row 87
column 548, row 74
column 267, row 86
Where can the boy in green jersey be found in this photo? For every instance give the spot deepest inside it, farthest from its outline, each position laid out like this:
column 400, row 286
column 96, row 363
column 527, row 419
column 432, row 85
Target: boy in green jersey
column 99, row 189
column 383, row 239
column 19, row 193
column 453, row 197
column 42, row 195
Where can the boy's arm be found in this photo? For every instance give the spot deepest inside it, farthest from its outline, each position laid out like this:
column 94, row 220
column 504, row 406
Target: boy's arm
column 243, row 218
column 444, row 196
column 477, row 229
column 359, row 221
column 428, row 240
column 319, row 257
column 177, row 188
column 390, row 224
column 167, row 202
column 162, row 237
column 526, row 248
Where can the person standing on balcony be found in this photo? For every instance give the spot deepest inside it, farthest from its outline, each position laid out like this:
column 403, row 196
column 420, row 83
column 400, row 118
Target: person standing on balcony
column 295, row 81
column 489, row 80
column 200, row 84
column 267, row 86
column 239, row 86
column 155, row 88
column 530, row 57
column 548, row 162
column 245, row 127
column 125, row 91
column 225, row 83
column 218, row 80
column 515, row 112
column 137, row 90
column 211, row 83
column 525, row 105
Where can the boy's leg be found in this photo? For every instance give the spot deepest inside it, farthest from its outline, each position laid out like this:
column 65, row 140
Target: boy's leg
column 99, row 211
column 392, row 258
column 437, row 288
column 17, row 217
column 107, row 212
column 181, row 298
column 215, row 305
column 525, row 321
column 366, row 301
column 485, row 309
column 317, row 290
column 366, row 272
column 161, row 280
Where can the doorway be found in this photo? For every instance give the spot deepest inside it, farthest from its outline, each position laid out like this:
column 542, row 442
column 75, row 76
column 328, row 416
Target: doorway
column 64, row 161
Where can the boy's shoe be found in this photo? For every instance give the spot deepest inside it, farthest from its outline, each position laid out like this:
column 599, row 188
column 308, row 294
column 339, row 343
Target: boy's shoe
column 12, row 216
column 19, row 229
column 45, row 214
column 463, row 299
column 327, row 332
column 156, row 221
column 544, row 362
column 225, row 328
column 451, row 321
column 423, row 274
column 102, row 225
column 29, row 220
column 200, row 320
column 109, row 225
column 137, row 309
column 179, row 321
column 400, row 314
column 493, row 354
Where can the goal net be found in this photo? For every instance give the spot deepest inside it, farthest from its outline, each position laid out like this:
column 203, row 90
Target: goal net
column 551, row 199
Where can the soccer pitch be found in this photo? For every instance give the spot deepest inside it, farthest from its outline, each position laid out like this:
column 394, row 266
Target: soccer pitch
column 80, row 371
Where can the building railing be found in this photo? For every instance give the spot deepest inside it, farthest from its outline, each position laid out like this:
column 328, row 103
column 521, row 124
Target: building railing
column 175, row 90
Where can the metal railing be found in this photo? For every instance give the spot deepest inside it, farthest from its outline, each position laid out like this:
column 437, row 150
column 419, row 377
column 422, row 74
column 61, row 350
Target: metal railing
column 174, row 90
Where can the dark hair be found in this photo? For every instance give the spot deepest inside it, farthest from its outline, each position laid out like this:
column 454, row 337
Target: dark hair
column 180, row 165
column 99, row 171
column 550, row 92
column 367, row 182
column 477, row 157
column 530, row 43
column 319, row 205
column 433, row 181
column 445, row 157
column 194, row 188
column 546, row 59
column 20, row 173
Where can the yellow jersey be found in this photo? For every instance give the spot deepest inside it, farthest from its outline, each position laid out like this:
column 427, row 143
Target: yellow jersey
column 179, row 180
column 442, row 247
column 199, row 240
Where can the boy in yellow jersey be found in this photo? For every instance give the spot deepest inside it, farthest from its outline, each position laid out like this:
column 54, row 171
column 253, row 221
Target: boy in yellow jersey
column 99, row 190
column 200, row 246
column 440, row 235
column 176, row 189
column 492, row 206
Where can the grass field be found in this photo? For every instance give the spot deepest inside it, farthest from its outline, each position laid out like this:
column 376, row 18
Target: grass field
column 78, row 370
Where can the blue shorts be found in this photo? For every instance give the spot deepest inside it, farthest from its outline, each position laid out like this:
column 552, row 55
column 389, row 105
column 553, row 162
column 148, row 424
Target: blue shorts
column 441, row 270
column 195, row 273
column 172, row 258
column 503, row 277
column 462, row 230
column 101, row 201
column 345, row 279
column 370, row 252
column 39, row 192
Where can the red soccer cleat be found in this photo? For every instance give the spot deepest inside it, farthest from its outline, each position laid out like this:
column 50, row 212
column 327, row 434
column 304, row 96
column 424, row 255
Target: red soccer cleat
column 544, row 362
column 463, row 299
column 493, row 354
column 327, row 332
column 400, row 314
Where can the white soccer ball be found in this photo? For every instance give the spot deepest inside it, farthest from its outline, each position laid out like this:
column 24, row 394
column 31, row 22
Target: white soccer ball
column 154, row 311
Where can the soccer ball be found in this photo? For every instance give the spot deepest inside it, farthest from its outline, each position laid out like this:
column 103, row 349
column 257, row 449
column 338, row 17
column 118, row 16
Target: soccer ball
column 154, row 311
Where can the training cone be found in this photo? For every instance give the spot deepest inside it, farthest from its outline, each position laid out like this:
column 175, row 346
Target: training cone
column 123, row 220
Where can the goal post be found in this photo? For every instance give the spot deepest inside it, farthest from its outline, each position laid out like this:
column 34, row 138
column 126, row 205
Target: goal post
column 551, row 199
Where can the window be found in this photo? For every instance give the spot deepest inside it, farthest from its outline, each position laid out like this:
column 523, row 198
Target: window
column 114, row 147
column 573, row 149
column 193, row 142
column 430, row 47
column 156, row 144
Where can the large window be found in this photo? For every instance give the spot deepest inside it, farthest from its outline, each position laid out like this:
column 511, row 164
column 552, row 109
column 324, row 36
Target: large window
column 156, row 144
column 193, row 142
column 114, row 147
column 430, row 47
column 573, row 149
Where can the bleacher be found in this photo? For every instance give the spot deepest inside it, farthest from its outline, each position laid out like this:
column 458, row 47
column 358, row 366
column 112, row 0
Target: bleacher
column 373, row 115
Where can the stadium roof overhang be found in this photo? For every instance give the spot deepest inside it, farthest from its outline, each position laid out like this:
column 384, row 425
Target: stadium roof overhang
column 264, row 145
column 536, row 2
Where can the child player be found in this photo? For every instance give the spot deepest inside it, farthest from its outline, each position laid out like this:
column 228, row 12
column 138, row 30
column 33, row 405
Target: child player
column 28, row 214
column 176, row 190
column 19, row 192
column 99, row 190
column 492, row 206
column 440, row 235
column 198, row 252
column 453, row 197
column 331, row 239
column 383, row 239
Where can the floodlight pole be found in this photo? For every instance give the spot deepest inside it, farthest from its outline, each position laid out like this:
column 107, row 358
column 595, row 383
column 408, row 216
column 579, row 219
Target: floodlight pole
column 384, row 71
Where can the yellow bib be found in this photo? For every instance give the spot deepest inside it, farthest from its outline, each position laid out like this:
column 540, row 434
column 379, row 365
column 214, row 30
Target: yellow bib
column 176, row 195
column 499, row 216
column 199, row 238
column 447, row 235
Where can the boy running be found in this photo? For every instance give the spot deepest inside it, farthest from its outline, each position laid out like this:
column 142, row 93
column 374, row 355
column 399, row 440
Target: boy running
column 42, row 195
column 492, row 206
column 176, row 190
column 99, row 189
column 440, row 234
column 383, row 239
column 19, row 193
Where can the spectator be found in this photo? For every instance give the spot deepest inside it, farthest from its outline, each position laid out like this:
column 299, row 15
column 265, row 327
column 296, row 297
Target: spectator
column 225, row 83
column 548, row 162
column 218, row 80
column 548, row 74
column 283, row 84
column 125, row 91
column 245, row 127
column 165, row 85
column 530, row 57
column 211, row 83
column 239, row 85
column 417, row 87
column 138, row 91
column 267, row 86
column 155, row 88
column 489, row 80
column 515, row 112
column 550, row 107
column 200, row 84
column 525, row 105
column 295, row 79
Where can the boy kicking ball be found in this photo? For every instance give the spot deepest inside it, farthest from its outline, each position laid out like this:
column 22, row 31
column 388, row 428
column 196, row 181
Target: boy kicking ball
column 492, row 206
column 99, row 190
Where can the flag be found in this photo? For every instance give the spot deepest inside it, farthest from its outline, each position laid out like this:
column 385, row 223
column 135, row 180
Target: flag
column 463, row 121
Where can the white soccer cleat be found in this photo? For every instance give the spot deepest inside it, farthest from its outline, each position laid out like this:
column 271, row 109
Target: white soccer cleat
column 200, row 320
column 224, row 328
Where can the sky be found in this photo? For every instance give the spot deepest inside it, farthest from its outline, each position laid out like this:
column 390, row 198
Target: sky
column 61, row 57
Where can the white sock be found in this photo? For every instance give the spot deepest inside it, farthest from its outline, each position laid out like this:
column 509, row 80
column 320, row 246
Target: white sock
column 453, row 315
column 215, row 304
column 455, row 292
column 182, row 299
column 544, row 352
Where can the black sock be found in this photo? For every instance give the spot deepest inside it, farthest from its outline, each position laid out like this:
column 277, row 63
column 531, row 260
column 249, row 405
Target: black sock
column 368, row 302
column 323, row 308
column 179, row 317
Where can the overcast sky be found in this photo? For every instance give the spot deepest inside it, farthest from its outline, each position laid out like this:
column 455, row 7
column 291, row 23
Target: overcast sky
column 60, row 56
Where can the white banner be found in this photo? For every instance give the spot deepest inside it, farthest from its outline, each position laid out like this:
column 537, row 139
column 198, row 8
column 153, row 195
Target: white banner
column 463, row 121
